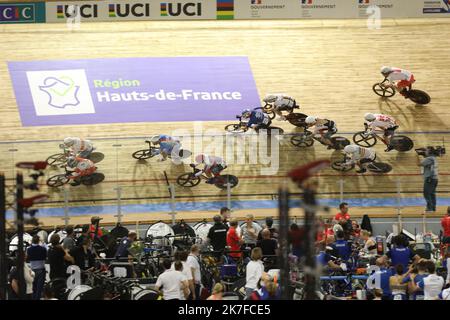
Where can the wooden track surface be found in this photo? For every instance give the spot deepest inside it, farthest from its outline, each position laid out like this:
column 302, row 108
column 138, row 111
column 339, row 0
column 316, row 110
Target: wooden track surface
column 328, row 66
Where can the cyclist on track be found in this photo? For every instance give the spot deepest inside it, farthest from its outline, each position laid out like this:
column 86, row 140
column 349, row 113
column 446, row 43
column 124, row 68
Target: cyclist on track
column 256, row 119
column 83, row 167
column 281, row 103
column 383, row 122
column 79, row 147
column 212, row 166
column 399, row 79
column 323, row 127
column 360, row 156
column 166, row 145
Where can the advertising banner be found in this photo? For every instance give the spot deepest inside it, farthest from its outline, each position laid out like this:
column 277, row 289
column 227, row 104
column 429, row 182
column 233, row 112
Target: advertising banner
column 267, row 9
column 132, row 90
column 321, row 9
column 26, row 12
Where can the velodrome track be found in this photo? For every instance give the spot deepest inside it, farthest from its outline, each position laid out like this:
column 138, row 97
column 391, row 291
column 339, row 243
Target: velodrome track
column 328, row 66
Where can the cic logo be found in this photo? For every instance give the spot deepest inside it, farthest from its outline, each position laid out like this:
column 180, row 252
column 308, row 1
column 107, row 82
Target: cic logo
column 17, row 13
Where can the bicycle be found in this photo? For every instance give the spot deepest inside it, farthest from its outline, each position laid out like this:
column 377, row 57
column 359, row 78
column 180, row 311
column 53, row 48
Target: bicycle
column 190, row 180
column 61, row 179
column 368, row 138
column 375, row 167
column 153, row 151
column 241, row 127
column 59, row 159
column 269, row 109
column 306, row 139
column 417, row 96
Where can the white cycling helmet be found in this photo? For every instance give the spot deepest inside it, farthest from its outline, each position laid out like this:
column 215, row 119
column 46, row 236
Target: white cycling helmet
column 154, row 139
column 370, row 117
column 69, row 142
column 385, row 70
column 270, row 98
column 310, row 120
column 201, row 158
column 351, row 148
column 72, row 162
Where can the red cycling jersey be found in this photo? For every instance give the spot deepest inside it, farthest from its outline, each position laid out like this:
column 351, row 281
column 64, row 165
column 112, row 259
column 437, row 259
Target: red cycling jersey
column 445, row 223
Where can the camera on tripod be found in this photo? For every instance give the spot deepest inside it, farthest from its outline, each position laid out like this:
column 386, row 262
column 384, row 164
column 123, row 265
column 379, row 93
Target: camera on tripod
column 431, row 151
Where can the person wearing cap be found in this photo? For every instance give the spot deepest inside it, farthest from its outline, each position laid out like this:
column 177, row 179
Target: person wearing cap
column 217, row 235
column 94, row 228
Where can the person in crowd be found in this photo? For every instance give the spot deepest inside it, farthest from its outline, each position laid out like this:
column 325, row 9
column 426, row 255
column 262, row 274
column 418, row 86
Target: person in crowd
column 172, row 282
column 57, row 258
column 69, row 241
column 217, row 292
column 94, row 228
column 83, row 256
column 269, row 226
column 370, row 246
column 445, row 294
column 234, row 241
column 324, row 259
column 48, row 293
column 36, row 256
column 84, row 233
column 182, row 256
column 446, row 264
column 268, row 245
column 445, row 223
column 267, row 289
column 432, row 284
column 14, row 283
column 416, row 273
column 217, row 235
column 193, row 263
column 399, row 253
column 225, row 214
column 250, row 232
column 119, row 231
column 380, row 279
column 343, row 213
column 125, row 245
column 254, row 272
column 429, row 166
column 378, row 294
column 398, row 288
column 341, row 247
column 295, row 239
column 356, row 229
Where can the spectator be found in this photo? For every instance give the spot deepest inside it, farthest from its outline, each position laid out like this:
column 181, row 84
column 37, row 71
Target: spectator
column 119, row 231
column 445, row 294
column 268, row 290
column 430, row 176
column 94, row 229
column 193, row 263
column 83, row 256
column 416, row 274
column 370, row 246
column 445, row 223
column 399, row 254
column 125, row 245
column 269, row 226
column 69, row 240
column 268, row 246
column 341, row 247
column 48, row 293
column 182, row 256
column 173, row 283
column 324, row 259
column 36, row 256
column 383, row 276
column 432, row 284
column 84, row 234
column 343, row 213
column 356, row 229
column 225, row 214
column 254, row 272
column 398, row 288
column 217, row 235
column 217, row 292
column 295, row 238
column 234, row 241
column 57, row 258
column 378, row 294
column 14, row 282
column 250, row 232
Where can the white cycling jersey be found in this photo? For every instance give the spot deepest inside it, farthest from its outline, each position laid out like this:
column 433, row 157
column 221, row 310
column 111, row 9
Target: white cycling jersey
column 362, row 153
column 382, row 121
column 212, row 161
column 284, row 101
column 399, row 75
column 80, row 145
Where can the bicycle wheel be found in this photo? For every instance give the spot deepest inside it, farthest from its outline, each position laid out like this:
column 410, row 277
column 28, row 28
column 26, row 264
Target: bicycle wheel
column 382, row 91
column 297, row 119
column 96, row 157
column 57, row 181
column 402, row 143
column 339, row 166
column 363, row 140
column 144, row 154
column 379, row 167
column 188, row 180
column 222, row 181
column 94, row 178
column 339, row 143
column 268, row 109
column 235, row 128
column 302, row 140
column 419, row 97
column 56, row 159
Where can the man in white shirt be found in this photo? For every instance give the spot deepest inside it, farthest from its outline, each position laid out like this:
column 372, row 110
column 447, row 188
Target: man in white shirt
column 431, row 285
column 193, row 263
column 181, row 256
column 173, row 283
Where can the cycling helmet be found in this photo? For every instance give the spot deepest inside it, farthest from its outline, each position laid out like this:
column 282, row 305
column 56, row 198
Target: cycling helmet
column 246, row 113
column 68, row 142
column 337, row 227
column 201, row 158
column 369, row 117
column 351, row 148
column 270, row 98
column 310, row 120
column 154, row 139
column 72, row 162
column 385, row 70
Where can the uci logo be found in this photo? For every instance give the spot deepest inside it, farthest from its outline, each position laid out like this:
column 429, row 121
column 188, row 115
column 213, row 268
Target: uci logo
column 125, row 10
column 72, row 11
column 16, row 13
column 177, row 9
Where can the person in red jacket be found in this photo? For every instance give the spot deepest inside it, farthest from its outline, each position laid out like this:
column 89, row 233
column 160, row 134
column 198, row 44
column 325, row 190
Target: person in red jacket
column 234, row 241
column 445, row 223
column 343, row 214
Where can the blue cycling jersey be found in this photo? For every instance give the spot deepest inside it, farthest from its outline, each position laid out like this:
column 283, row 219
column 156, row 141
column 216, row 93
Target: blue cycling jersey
column 256, row 117
column 400, row 255
column 342, row 249
column 166, row 143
